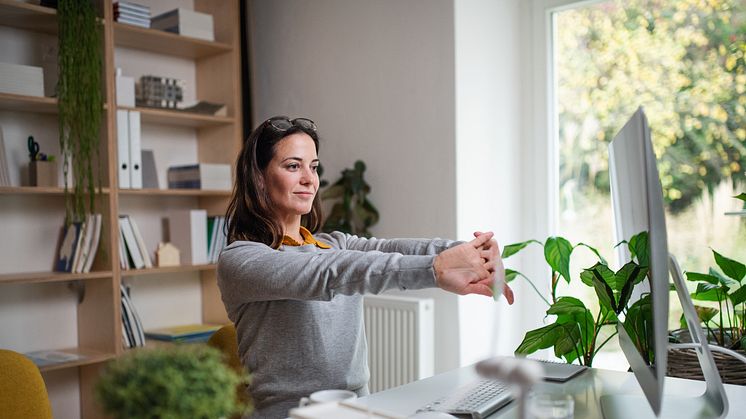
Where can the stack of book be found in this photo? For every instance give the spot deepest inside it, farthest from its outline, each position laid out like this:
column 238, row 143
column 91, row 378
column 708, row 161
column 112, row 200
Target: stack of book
column 132, row 14
column 132, row 332
column 77, row 245
column 133, row 254
column 185, row 22
column 4, row 170
column 21, row 79
column 200, row 176
column 216, row 235
column 184, row 334
column 159, row 92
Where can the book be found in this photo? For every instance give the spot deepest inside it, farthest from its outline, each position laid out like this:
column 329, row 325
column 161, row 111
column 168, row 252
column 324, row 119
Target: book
column 66, row 247
column 133, row 250
column 184, row 333
column 140, row 243
column 131, row 320
column 4, row 170
column 45, row 358
column 200, row 176
column 98, row 221
column 149, row 172
column 204, row 107
column 86, row 235
column 188, row 230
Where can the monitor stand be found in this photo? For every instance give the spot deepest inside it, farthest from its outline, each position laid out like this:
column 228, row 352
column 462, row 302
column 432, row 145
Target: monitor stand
column 713, row 404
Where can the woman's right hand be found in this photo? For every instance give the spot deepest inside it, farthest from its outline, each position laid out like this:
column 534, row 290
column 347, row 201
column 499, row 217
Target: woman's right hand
column 462, row 269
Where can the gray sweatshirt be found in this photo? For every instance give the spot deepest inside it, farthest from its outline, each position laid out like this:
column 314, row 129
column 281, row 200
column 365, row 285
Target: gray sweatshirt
column 298, row 310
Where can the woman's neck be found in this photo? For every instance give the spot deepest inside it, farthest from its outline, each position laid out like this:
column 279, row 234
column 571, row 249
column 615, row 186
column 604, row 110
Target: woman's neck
column 292, row 229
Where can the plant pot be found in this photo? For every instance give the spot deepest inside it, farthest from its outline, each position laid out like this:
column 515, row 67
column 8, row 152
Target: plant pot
column 684, row 363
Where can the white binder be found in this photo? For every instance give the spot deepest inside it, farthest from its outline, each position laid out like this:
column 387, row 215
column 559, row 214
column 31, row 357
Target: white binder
column 135, row 151
column 123, row 149
column 188, row 230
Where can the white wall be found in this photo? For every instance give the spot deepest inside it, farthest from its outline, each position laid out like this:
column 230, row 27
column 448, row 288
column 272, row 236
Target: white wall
column 378, row 79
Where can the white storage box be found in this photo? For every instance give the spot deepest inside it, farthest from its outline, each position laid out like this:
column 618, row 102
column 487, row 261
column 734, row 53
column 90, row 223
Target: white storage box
column 21, row 79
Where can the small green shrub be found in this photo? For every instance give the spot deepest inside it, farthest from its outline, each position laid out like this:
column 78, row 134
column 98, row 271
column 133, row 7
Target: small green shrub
column 183, row 381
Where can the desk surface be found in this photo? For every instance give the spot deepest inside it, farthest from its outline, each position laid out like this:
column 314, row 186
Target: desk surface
column 586, row 389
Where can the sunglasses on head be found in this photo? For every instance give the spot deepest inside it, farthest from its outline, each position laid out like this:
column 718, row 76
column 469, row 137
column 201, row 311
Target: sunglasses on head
column 283, row 123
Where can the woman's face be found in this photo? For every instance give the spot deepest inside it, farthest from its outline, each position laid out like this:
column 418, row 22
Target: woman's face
column 292, row 181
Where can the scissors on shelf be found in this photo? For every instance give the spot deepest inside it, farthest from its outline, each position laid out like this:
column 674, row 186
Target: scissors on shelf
column 33, row 148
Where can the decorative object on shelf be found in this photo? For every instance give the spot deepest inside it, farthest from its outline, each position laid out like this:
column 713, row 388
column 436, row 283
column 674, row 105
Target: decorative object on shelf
column 724, row 326
column 125, row 90
column 210, row 176
column 575, row 332
column 190, row 381
column 189, row 333
column 185, row 22
column 159, row 92
column 80, row 104
column 355, row 213
column 167, row 255
column 42, row 168
column 132, row 13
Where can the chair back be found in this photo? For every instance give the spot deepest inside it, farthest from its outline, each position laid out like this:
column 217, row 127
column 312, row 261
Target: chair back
column 23, row 394
column 226, row 341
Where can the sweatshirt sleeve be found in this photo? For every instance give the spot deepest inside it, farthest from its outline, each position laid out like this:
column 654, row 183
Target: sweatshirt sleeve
column 403, row 246
column 249, row 271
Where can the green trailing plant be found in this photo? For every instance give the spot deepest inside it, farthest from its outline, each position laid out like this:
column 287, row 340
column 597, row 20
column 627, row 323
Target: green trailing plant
column 176, row 382
column 352, row 212
column 80, row 102
column 576, row 332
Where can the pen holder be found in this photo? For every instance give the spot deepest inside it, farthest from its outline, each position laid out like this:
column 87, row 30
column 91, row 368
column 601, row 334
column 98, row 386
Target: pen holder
column 43, row 173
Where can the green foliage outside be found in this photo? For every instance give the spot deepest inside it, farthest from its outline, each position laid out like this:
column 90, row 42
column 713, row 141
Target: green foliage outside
column 352, row 212
column 577, row 334
column 684, row 61
column 179, row 382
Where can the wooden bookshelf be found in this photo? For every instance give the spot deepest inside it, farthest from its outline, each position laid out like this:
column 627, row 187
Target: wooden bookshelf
column 174, row 192
column 28, row 16
column 166, row 43
column 179, row 118
column 89, row 357
column 33, row 277
column 169, row 270
column 37, row 190
column 23, row 103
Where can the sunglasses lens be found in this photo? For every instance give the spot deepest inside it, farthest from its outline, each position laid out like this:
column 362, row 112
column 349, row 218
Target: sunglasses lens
column 280, row 124
column 305, row 123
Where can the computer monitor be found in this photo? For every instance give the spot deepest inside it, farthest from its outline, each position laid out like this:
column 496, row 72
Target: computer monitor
column 637, row 204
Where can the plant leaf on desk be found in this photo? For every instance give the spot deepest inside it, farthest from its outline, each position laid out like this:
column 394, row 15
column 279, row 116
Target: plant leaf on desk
column 741, row 196
column 722, row 279
column 594, row 250
column 541, row 338
column 738, row 296
column 709, row 292
column 700, row 277
column 514, row 248
column 557, row 252
column 730, row 267
column 638, row 247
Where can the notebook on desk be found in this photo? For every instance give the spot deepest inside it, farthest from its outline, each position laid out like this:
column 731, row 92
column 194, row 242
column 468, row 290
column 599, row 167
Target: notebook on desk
column 559, row 371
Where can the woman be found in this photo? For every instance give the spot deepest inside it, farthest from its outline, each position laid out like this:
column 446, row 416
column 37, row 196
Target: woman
column 296, row 298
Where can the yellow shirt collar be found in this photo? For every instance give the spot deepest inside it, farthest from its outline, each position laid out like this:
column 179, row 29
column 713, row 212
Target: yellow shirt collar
column 307, row 239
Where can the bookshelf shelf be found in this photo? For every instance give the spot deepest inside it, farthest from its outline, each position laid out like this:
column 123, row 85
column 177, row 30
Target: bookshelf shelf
column 90, row 357
column 166, row 43
column 37, row 190
column 170, row 270
column 28, row 16
column 174, row 192
column 35, row 277
column 23, row 103
column 179, row 118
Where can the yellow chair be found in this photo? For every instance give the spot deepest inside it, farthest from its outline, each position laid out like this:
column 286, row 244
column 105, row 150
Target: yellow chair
column 23, row 394
column 225, row 340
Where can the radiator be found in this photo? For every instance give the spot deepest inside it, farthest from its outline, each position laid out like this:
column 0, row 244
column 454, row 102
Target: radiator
column 400, row 340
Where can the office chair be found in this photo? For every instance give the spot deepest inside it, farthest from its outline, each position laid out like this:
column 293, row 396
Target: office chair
column 225, row 340
column 23, row 394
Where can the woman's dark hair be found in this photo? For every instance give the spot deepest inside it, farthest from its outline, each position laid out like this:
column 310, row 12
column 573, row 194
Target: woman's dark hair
column 249, row 214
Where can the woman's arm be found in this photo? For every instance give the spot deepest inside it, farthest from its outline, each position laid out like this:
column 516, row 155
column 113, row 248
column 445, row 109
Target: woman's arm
column 250, row 271
column 403, row 246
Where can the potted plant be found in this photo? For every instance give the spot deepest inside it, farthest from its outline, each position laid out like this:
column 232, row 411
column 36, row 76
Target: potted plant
column 80, row 103
column 576, row 332
column 353, row 213
column 174, row 382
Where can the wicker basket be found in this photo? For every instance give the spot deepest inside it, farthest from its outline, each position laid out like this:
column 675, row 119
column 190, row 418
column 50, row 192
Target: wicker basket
column 685, row 364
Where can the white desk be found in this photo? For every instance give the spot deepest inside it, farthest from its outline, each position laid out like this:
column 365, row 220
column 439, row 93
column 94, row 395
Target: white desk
column 586, row 389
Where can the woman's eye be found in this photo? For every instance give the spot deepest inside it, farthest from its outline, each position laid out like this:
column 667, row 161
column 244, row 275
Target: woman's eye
column 315, row 168
column 293, row 166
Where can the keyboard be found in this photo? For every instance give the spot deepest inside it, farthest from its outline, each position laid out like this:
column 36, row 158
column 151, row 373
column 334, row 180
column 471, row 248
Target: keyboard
column 477, row 399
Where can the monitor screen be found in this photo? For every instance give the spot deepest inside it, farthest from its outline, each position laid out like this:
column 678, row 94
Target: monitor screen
column 637, row 203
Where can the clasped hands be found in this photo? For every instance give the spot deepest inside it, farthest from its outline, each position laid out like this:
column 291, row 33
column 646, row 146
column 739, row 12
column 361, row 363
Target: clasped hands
column 472, row 267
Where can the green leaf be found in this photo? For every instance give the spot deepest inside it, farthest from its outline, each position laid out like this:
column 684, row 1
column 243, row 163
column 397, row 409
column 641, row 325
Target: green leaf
column 709, row 292
column 738, row 296
column 706, row 314
column 601, row 278
column 733, row 269
column 557, row 252
column 699, row 277
column 567, row 306
column 510, row 275
column 334, row 191
column 741, row 196
column 567, row 340
column 593, row 249
column 630, row 275
column 722, row 279
column 541, row 338
column 638, row 247
column 514, row 248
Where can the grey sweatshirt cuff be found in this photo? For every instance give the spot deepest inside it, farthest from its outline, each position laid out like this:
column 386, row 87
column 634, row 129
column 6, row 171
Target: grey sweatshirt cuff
column 416, row 272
